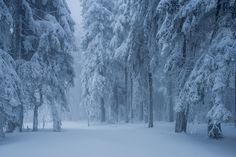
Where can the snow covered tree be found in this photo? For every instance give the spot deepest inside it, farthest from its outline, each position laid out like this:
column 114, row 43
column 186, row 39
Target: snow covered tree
column 141, row 56
column 190, row 43
column 119, row 60
column 6, row 30
column 11, row 93
column 39, row 36
column 96, row 52
column 53, row 54
column 36, row 22
column 30, row 73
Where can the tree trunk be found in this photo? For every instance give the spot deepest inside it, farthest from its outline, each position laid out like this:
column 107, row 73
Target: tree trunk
column 10, row 127
column 18, row 32
column 214, row 130
column 103, row 111
column 181, row 124
column 150, row 121
column 145, row 112
column 56, row 118
column 21, row 121
column 116, row 103
column 35, row 120
column 17, row 51
column 170, row 95
column 56, row 125
column 182, row 121
column 131, row 100
column 141, row 117
column 126, row 96
column 2, row 135
column 36, row 108
column 235, row 101
column 88, row 119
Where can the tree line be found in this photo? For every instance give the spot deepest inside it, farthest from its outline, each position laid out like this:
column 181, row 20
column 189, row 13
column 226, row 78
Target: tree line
column 171, row 60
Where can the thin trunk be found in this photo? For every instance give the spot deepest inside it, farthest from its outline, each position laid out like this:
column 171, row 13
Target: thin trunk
column 131, row 100
column 141, row 113
column 44, row 122
column 88, row 119
column 103, row 110
column 126, row 96
column 116, row 107
column 171, row 110
column 56, row 118
column 35, row 120
column 145, row 112
column 36, row 107
column 2, row 135
column 18, row 35
column 21, row 118
column 150, row 123
column 18, row 50
column 235, row 101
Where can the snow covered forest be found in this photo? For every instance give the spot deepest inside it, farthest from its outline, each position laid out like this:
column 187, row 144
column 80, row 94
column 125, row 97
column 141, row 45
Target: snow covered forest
column 160, row 60
column 154, row 68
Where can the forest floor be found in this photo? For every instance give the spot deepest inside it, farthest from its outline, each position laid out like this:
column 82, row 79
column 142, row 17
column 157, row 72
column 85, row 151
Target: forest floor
column 132, row 140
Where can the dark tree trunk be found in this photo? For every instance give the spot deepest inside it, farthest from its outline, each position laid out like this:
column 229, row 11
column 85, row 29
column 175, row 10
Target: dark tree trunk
column 21, row 118
column 2, row 135
column 18, row 32
column 181, row 122
column 116, row 103
column 214, row 130
column 10, row 127
column 235, row 101
column 17, row 54
column 36, row 107
column 150, row 121
column 141, row 117
column 126, row 97
column 170, row 110
column 35, row 120
column 131, row 100
column 145, row 112
column 103, row 111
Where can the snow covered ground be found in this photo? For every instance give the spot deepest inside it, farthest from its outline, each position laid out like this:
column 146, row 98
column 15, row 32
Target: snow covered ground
column 133, row 140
